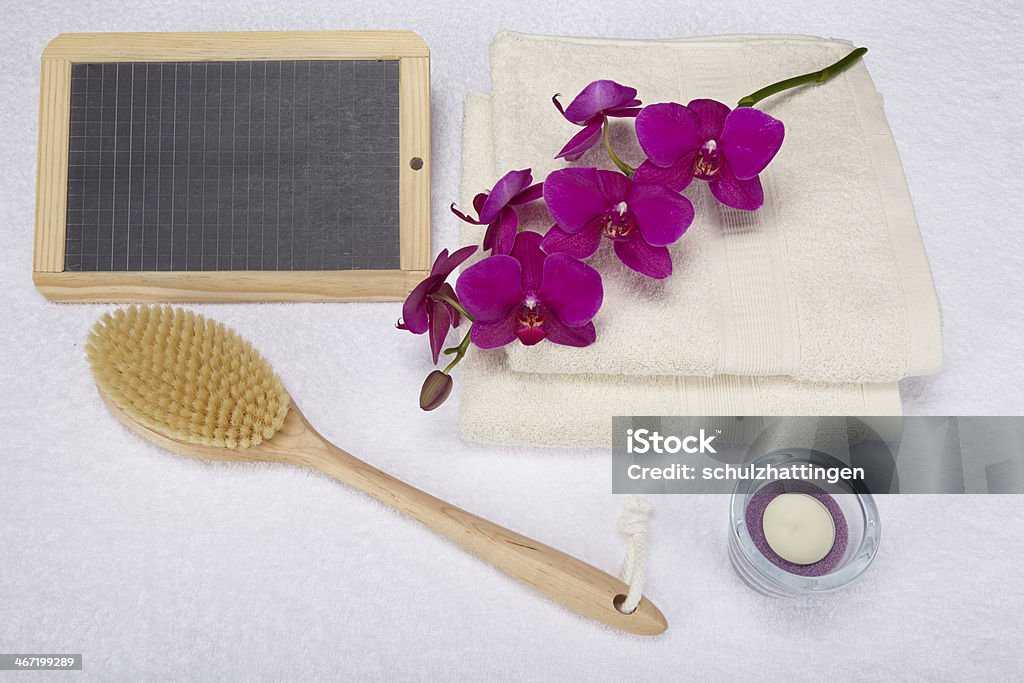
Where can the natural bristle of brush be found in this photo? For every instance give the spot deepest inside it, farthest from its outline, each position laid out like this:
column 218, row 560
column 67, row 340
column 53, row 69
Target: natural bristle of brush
column 186, row 377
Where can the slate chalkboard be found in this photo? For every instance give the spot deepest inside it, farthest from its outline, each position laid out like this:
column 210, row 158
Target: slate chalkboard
column 178, row 171
column 233, row 166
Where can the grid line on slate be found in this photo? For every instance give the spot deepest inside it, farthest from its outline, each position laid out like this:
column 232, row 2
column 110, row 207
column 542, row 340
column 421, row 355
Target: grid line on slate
column 279, row 165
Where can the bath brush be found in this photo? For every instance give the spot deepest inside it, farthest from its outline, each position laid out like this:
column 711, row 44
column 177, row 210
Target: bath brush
column 194, row 387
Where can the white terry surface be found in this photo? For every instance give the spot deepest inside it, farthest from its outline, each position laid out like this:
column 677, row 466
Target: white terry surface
column 154, row 566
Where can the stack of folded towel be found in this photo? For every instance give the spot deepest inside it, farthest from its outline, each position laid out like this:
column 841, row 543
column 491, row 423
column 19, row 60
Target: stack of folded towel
column 815, row 304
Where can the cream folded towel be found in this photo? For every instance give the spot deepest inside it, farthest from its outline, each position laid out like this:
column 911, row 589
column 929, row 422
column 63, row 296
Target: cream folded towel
column 828, row 281
column 498, row 405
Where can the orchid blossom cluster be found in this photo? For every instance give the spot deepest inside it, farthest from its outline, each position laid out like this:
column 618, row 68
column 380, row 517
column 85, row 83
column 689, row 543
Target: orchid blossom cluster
column 533, row 287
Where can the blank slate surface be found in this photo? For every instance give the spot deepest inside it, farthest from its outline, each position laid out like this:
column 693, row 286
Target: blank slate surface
column 233, row 165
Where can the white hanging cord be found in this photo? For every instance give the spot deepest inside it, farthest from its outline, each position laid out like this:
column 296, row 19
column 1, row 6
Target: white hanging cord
column 633, row 525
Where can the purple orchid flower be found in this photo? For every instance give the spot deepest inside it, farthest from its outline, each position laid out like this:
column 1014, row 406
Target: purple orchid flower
column 705, row 139
column 494, row 209
column 640, row 219
column 425, row 309
column 532, row 296
column 590, row 109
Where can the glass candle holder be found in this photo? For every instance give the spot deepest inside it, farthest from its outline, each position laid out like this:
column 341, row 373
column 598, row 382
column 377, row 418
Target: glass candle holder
column 850, row 504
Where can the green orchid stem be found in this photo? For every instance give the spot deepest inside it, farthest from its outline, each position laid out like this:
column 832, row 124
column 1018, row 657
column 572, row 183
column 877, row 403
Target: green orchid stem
column 822, row 76
column 460, row 351
column 438, row 296
column 623, row 166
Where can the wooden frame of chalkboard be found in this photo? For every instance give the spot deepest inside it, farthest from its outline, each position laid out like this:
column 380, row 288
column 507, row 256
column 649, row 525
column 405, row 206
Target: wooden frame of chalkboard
column 57, row 283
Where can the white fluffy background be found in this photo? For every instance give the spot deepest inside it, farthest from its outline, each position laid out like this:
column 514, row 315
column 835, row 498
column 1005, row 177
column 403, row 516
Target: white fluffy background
column 155, row 566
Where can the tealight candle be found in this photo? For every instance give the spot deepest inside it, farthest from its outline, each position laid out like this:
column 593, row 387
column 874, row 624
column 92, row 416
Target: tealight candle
column 798, row 528
column 805, row 533
column 790, row 537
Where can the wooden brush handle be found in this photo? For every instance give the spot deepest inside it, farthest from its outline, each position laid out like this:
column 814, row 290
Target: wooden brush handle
column 575, row 584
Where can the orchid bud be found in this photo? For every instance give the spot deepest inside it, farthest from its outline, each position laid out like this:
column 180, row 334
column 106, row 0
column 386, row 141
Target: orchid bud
column 436, row 388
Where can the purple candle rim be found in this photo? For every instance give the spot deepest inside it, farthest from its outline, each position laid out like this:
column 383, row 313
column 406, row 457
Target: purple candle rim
column 754, row 515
